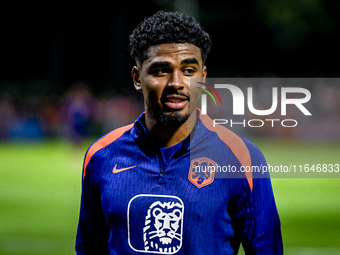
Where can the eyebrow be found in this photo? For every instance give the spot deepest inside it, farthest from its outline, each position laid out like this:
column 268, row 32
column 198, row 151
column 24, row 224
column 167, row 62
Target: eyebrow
column 190, row 61
column 157, row 64
column 186, row 61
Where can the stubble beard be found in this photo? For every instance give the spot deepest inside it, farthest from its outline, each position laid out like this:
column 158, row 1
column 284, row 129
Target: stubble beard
column 172, row 119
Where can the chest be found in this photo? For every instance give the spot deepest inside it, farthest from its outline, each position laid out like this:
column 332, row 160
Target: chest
column 157, row 204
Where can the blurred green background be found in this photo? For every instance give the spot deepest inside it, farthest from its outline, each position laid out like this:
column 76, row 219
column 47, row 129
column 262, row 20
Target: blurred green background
column 40, row 197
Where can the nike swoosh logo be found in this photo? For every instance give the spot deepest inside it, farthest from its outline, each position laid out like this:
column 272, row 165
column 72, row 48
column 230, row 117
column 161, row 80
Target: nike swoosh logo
column 115, row 170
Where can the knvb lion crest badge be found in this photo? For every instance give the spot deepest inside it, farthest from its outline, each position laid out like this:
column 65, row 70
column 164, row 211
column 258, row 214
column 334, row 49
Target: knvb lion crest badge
column 155, row 224
column 202, row 171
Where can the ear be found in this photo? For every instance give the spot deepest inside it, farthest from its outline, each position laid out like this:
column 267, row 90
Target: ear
column 204, row 73
column 136, row 79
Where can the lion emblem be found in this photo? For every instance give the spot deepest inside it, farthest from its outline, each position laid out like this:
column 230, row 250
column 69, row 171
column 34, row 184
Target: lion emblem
column 202, row 171
column 201, row 176
column 163, row 227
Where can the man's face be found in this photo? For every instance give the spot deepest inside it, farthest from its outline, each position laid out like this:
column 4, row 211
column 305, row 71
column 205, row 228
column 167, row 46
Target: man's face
column 164, row 80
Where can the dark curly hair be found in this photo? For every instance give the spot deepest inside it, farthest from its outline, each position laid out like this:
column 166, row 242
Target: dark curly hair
column 167, row 27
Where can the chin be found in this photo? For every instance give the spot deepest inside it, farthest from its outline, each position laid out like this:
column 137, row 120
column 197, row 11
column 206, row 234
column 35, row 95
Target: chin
column 173, row 118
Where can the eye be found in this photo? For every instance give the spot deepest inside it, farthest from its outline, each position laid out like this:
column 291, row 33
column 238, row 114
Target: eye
column 160, row 71
column 189, row 71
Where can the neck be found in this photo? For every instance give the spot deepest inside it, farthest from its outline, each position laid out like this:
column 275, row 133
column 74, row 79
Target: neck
column 167, row 136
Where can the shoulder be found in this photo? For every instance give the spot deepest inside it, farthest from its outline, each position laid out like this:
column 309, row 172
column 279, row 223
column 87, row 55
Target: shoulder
column 236, row 144
column 243, row 151
column 103, row 142
column 242, row 148
column 254, row 151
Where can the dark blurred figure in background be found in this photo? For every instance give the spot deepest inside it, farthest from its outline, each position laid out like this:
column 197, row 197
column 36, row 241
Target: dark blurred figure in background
column 78, row 106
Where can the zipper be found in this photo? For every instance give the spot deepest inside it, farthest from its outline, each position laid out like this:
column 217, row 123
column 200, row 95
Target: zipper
column 162, row 171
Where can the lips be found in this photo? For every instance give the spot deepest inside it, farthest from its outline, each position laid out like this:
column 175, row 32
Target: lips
column 175, row 102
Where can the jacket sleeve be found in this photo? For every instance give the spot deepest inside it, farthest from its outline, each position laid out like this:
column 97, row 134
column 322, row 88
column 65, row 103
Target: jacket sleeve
column 256, row 217
column 92, row 234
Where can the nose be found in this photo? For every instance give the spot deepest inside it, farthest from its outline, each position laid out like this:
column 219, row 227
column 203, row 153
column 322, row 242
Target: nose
column 176, row 80
column 166, row 224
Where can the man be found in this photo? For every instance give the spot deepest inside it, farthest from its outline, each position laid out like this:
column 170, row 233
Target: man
column 142, row 192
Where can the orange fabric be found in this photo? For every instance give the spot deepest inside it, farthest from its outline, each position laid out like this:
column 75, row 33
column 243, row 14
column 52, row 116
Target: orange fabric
column 105, row 141
column 233, row 141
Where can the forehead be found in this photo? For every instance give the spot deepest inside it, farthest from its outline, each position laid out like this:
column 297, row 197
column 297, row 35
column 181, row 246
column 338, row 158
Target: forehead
column 173, row 52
